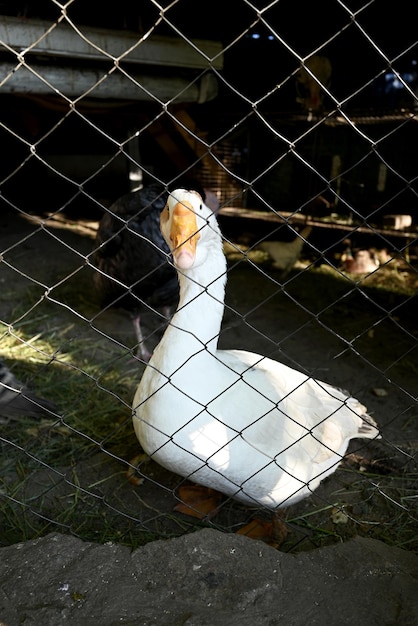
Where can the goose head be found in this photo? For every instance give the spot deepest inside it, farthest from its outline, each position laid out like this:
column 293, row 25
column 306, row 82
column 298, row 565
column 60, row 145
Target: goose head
column 185, row 221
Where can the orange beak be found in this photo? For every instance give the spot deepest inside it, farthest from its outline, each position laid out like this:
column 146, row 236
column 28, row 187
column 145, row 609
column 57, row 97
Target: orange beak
column 184, row 235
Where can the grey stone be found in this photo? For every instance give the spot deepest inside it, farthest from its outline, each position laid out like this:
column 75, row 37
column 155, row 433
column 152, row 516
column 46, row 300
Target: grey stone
column 205, row 579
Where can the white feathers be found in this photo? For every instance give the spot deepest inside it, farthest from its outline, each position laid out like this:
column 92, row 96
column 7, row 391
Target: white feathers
column 232, row 420
column 286, row 253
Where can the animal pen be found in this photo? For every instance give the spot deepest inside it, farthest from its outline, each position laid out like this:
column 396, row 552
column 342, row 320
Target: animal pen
column 288, row 121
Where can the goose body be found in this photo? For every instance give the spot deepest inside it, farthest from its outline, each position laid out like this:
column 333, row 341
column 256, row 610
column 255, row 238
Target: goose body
column 285, row 253
column 131, row 256
column 243, row 424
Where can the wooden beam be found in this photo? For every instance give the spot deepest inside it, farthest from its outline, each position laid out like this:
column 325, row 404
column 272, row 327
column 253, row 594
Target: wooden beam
column 167, row 143
column 200, row 149
column 94, row 83
column 285, row 217
column 98, row 44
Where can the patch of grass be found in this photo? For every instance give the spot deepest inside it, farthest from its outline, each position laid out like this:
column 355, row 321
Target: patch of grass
column 93, row 399
column 378, row 505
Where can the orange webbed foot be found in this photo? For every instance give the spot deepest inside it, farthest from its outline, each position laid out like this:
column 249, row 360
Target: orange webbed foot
column 197, row 501
column 273, row 533
column 131, row 473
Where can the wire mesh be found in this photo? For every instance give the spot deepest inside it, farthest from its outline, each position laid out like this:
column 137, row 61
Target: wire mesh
column 286, row 124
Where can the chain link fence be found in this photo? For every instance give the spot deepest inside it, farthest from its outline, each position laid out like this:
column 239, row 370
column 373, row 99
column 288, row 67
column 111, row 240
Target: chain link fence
column 300, row 124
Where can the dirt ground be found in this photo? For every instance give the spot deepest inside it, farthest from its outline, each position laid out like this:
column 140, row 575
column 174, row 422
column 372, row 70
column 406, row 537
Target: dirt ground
column 358, row 336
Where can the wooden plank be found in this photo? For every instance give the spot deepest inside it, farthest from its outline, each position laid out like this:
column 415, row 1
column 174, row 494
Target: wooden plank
column 94, row 83
column 61, row 40
column 300, row 219
column 168, row 144
column 202, row 152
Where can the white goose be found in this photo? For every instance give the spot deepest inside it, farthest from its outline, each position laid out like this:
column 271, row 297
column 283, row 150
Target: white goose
column 234, row 421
